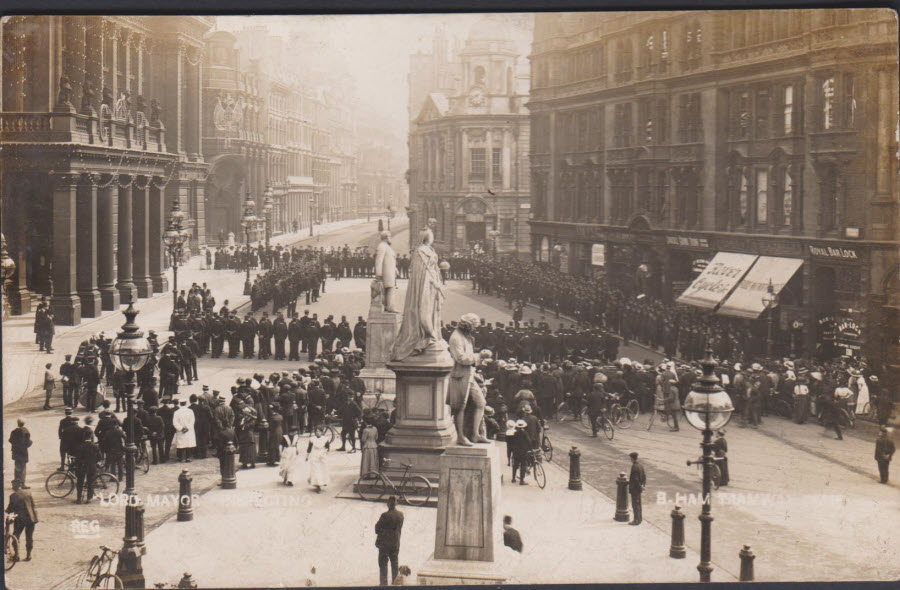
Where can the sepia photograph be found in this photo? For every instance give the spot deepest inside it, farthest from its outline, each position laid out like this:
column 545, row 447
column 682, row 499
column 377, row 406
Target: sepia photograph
column 282, row 292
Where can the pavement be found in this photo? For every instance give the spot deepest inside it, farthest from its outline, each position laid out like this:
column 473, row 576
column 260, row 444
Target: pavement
column 825, row 500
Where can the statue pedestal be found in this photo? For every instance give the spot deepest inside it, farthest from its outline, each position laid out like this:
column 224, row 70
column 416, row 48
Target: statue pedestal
column 381, row 331
column 424, row 427
column 468, row 519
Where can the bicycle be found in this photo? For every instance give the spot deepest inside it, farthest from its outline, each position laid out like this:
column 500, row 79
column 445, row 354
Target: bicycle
column 10, row 544
column 715, row 473
column 547, row 446
column 60, row 484
column 569, row 406
column 375, row 403
column 622, row 415
column 664, row 416
column 781, row 407
column 604, row 424
column 99, row 573
column 535, row 460
column 414, row 490
column 142, row 459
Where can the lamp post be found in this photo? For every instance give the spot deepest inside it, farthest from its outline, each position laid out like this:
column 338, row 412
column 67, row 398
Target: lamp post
column 268, row 207
column 770, row 302
column 495, row 235
column 174, row 238
column 129, row 353
column 707, row 408
column 7, row 268
column 247, row 221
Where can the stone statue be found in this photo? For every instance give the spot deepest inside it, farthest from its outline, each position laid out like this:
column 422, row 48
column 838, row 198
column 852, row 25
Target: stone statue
column 386, row 270
column 421, row 326
column 87, row 96
column 65, row 91
column 155, row 111
column 463, row 386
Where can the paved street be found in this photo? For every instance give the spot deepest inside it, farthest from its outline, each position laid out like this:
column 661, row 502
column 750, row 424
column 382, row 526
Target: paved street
column 794, row 538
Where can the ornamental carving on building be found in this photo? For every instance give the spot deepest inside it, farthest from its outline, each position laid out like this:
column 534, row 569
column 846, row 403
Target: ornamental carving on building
column 228, row 113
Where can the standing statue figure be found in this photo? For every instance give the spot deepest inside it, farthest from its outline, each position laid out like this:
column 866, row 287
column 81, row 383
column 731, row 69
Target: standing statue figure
column 463, row 386
column 421, row 326
column 386, row 270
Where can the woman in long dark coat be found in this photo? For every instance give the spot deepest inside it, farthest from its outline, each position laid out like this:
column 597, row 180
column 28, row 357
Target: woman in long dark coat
column 247, row 437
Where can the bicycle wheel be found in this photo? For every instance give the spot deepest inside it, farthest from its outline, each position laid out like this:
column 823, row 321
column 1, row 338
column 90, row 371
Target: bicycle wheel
column 625, row 417
column 715, row 475
column 93, row 572
column 384, row 404
column 60, row 484
column 108, row 581
column 608, row 429
column 585, row 419
column 11, row 553
column 416, row 490
column 106, row 485
column 783, row 409
column 547, row 447
column 331, row 433
column 142, row 461
column 371, row 486
column 562, row 412
column 539, row 476
column 633, row 407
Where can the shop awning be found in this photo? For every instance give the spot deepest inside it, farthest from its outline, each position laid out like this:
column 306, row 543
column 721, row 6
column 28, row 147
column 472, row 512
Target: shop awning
column 717, row 280
column 746, row 300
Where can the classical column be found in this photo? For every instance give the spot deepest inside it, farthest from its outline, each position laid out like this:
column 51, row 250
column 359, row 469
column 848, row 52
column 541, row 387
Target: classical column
column 107, row 239
column 157, row 217
column 65, row 302
column 140, row 247
column 87, row 248
column 126, row 287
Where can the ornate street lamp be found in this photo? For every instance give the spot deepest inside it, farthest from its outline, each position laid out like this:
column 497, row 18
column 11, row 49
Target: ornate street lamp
column 248, row 219
column 770, row 302
column 174, row 238
column 495, row 235
column 7, row 269
column 707, row 408
column 129, row 353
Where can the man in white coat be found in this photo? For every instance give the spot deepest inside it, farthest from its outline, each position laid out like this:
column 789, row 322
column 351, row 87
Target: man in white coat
column 185, row 438
column 386, row 269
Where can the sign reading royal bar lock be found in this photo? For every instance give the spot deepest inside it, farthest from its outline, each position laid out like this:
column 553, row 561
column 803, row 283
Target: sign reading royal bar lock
column 833, row 252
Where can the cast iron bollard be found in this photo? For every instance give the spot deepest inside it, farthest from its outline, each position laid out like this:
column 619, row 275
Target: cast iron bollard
column 747, row 558
column 263, row 454
column 622, row 498
column 229, row 481
column 575, row 469
column 185, row 506
column 677, row 550
column 187, row 581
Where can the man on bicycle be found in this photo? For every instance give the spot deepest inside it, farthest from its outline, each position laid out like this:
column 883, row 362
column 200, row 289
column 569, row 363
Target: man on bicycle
column 86, row 459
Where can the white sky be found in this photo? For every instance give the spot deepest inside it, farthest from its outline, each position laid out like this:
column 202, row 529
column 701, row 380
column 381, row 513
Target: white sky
column 375, row 49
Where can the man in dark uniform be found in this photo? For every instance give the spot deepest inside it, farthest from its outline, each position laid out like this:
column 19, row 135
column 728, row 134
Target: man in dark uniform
column 294, row 334
column 387, row 531
column 67, row 373
column 167, row 413
column 343, row 333
column 884, row 452
column 280, row 332
column 87, row 456
column 19, row 441
column 328, row 333
column 248, row 334
column 304, row 325
column 359, row 333
column 264, row 331
column 312, row 337
column 637, row 481
column 66, row 425
column 216, row 326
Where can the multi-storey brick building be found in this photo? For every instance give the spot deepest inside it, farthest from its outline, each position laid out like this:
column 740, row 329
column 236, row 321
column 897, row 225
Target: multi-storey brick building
column 663, row 138
column 100, row 134
column 468, row 147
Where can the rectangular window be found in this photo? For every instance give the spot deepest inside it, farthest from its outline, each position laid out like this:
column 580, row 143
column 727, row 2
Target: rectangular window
column 662, row 121
column 477, row 164
column 506, row 227
column 496, row 166
column 787, row 200
column 849, row 100
column 828, row 103
column 744, row 114
column 762, row 113
column 628, row 131
column 762, row 196
column 788, row 127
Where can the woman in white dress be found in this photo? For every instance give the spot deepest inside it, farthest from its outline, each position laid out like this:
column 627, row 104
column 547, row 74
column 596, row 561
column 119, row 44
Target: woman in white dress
column 315, row 455
column 289, row 455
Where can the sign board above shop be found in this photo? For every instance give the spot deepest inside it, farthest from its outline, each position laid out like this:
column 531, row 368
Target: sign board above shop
column 833, row 252
column 598, row 254
column 687, row 242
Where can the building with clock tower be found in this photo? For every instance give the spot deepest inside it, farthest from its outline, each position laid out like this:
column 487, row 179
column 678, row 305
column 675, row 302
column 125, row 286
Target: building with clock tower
column 468, row 145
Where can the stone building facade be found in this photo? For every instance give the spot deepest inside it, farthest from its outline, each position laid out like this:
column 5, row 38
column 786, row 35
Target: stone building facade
column 100, row 133
column 468, row 148
column 660, row 139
